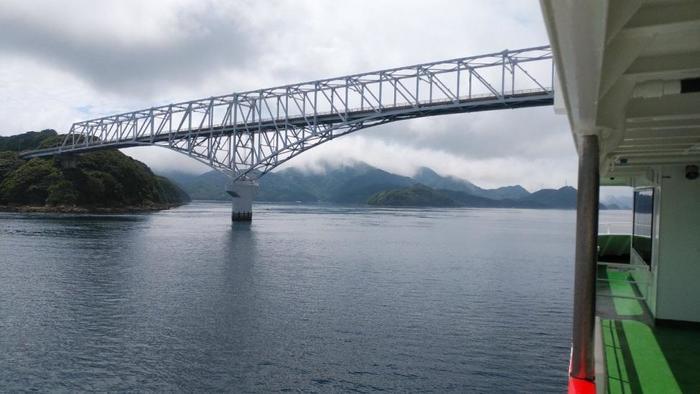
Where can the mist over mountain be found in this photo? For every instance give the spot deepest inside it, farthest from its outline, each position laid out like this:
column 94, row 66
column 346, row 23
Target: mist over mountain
column 430, row 178
column 352, row 184
column 618, row 202
column 361, row 183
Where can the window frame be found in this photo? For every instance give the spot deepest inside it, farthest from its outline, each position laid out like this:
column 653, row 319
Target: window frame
column 651, row 223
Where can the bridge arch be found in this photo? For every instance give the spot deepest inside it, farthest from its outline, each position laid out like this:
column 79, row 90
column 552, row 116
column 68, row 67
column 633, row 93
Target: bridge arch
column 246, row 135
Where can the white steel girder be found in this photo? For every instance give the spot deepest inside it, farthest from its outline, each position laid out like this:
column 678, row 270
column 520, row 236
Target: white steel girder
column 245, row 135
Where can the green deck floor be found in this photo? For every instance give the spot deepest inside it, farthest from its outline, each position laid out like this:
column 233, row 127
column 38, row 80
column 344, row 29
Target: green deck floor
column 644, row 359
column 620, row 287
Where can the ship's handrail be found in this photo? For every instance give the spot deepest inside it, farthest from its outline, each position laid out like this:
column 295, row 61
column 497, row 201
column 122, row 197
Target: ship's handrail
column 630, row 279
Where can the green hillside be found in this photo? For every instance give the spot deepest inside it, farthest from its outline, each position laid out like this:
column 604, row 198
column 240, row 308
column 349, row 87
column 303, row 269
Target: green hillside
column 104, row 180
column 414, row 196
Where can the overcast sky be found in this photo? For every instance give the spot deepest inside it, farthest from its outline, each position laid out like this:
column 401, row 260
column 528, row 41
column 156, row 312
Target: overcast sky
column 66, row 61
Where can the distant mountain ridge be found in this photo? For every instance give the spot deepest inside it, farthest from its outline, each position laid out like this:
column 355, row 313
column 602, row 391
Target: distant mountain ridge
column 420, row 195
column 361, row 183
column 430, row 178
column 564, row 197
column 618, row 202
column 345, row 184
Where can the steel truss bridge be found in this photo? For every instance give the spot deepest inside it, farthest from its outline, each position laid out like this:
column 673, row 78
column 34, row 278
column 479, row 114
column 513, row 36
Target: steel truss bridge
column 245, row 135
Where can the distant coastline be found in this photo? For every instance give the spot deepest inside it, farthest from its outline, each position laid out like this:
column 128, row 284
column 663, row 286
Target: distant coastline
column 87, row 210
column 107, row 182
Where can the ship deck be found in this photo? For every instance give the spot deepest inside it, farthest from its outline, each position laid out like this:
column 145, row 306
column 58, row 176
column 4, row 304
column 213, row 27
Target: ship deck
column 640, row 356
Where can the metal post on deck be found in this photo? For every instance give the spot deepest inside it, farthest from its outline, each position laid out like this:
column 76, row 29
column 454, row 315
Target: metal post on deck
column 586, row 259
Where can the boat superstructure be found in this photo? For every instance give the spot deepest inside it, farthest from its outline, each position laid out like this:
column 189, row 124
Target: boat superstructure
column 628, row 79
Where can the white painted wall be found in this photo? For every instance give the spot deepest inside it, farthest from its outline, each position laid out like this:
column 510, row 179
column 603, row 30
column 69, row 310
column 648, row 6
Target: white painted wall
column 678, row 247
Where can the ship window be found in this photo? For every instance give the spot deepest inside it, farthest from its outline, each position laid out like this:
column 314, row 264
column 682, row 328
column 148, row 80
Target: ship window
column 642, row 226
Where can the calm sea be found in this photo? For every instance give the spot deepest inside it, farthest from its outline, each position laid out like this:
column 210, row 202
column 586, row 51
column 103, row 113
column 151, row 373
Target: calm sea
column 311, row 298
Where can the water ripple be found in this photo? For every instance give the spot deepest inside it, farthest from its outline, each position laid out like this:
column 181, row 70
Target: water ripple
column 312, row 298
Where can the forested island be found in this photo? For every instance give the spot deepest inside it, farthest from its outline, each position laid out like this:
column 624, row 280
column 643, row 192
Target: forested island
column 103, row 181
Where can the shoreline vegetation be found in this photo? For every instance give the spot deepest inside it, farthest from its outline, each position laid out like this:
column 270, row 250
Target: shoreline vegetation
column 104, row 182
column 72, row 209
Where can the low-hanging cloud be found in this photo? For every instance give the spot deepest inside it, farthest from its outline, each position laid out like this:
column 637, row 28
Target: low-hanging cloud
column 62, row 62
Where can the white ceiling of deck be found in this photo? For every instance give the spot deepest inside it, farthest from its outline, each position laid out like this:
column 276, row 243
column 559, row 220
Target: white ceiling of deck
column 620, row 66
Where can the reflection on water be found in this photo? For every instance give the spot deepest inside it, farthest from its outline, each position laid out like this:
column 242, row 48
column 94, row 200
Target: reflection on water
column 316, row 298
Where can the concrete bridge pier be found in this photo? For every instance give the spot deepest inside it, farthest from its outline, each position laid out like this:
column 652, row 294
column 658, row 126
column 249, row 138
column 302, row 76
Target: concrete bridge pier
column 243, row 193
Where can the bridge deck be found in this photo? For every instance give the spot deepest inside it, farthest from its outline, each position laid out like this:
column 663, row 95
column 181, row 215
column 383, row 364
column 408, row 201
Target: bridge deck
column 522, row 99
column 247, row 134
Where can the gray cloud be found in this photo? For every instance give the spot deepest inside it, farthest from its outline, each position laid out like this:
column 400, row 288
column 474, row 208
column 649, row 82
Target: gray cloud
column 62, row 62
column 199, row 43
column 523, row 133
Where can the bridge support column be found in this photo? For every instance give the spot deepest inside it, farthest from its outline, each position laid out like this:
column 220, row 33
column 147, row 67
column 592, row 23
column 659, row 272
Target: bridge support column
column 243, row 193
